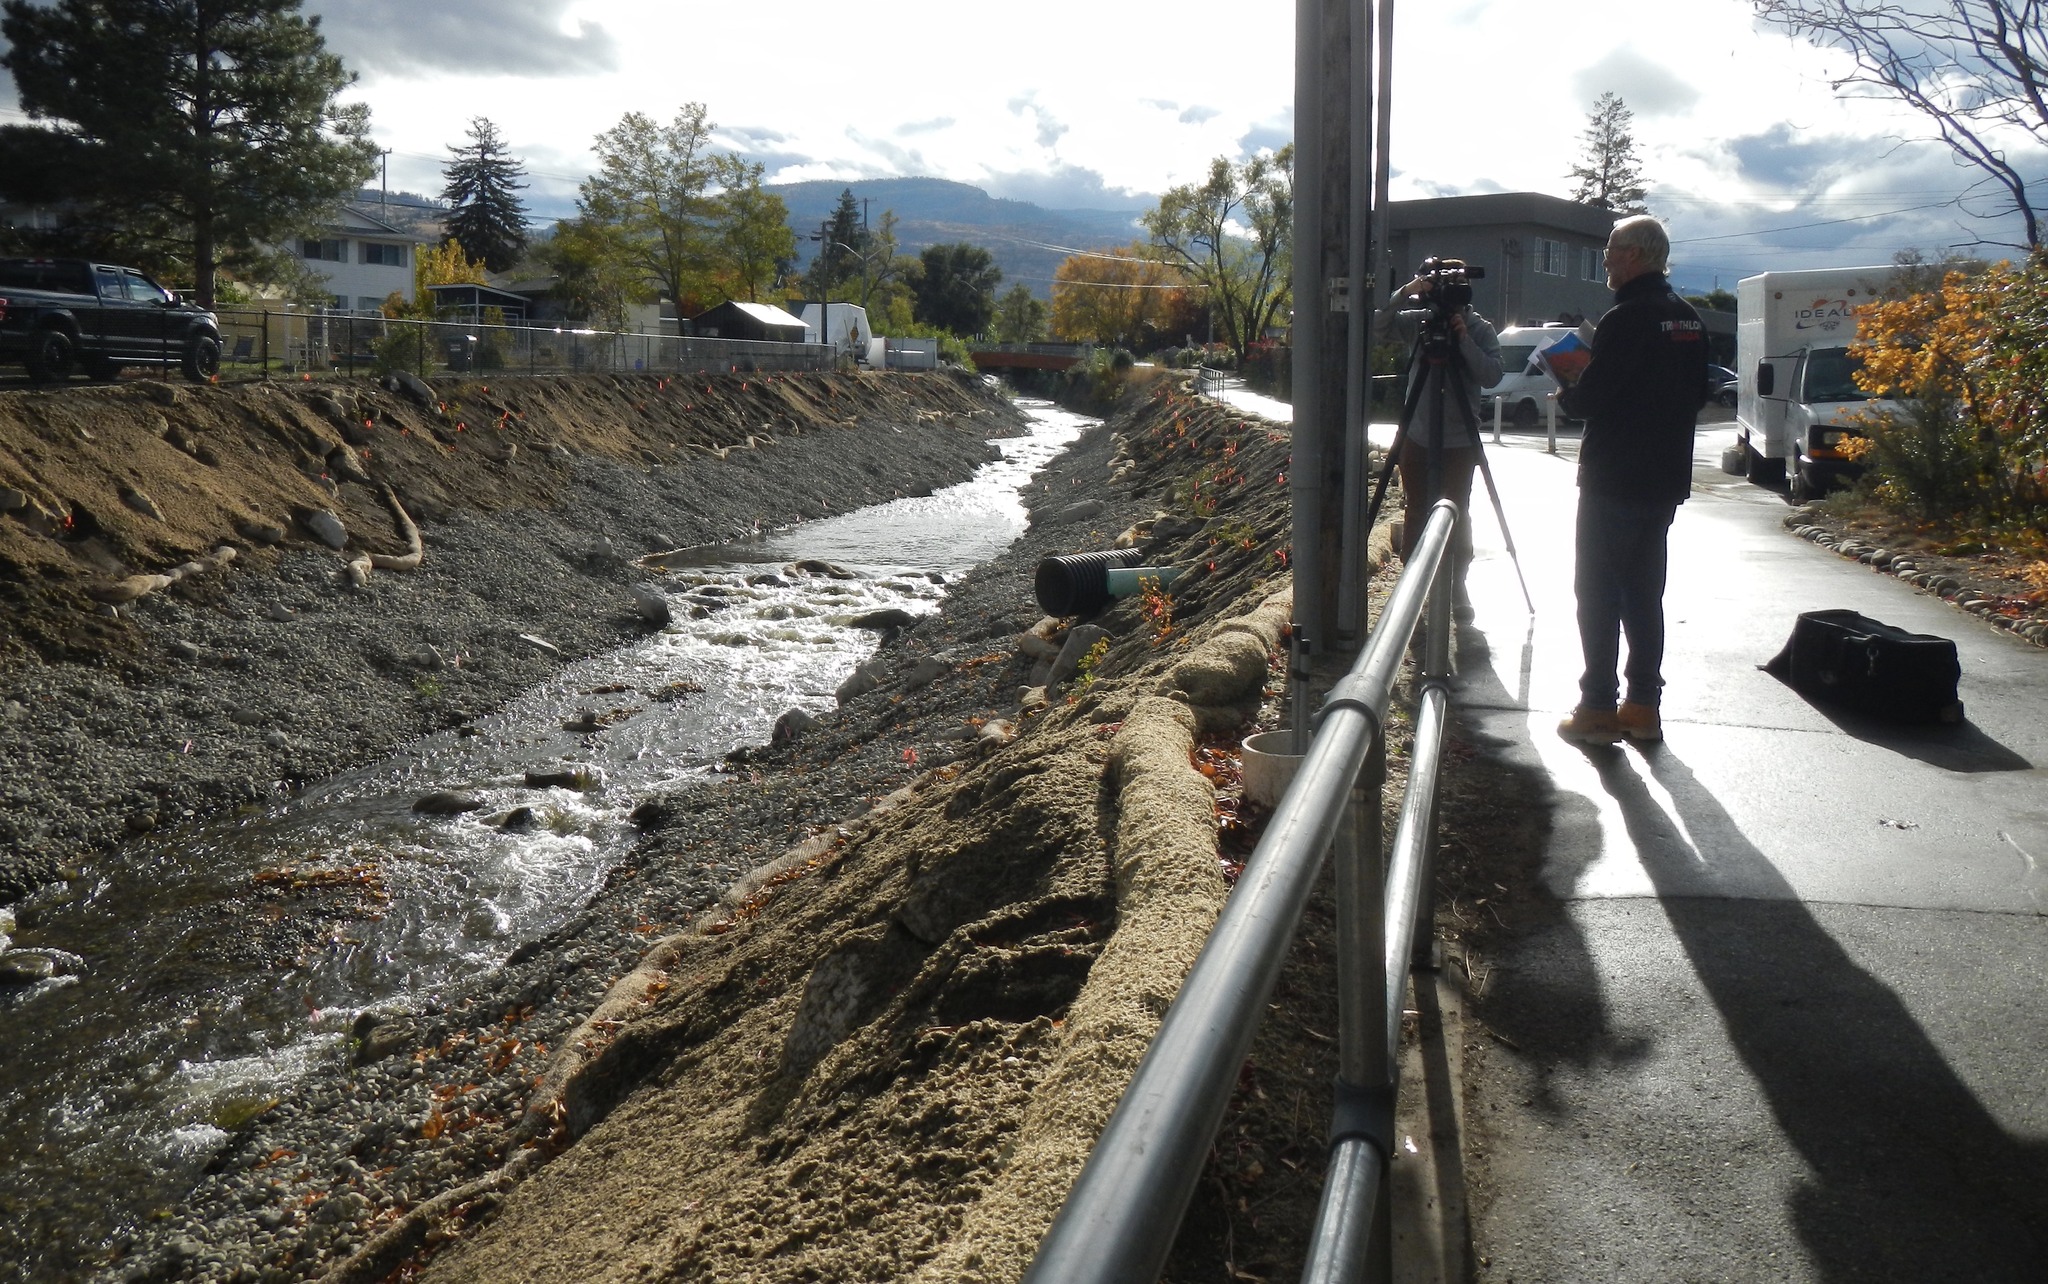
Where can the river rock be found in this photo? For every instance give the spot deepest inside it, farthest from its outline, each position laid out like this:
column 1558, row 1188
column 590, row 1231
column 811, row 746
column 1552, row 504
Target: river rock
column 258, row 531
column 540, row 643
column 862, row 680
column 323, row 526
column 24, row 967
column 160, row 392
column 582, row 779
column 412, row 387
column 11, row 499
column 1081, row 512
column 995, row 733
column 891, row 617
column 377, row 1036
column 926, row 671
column 650, row 604
column 584, row 723
column 1080, row 640
column 141, row 502
column 813, row 566
column 520, row 820
column 1038, row 646
column 790, row 725
column 447, row 802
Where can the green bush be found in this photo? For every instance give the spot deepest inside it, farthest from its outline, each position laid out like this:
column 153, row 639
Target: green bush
column 399, row 348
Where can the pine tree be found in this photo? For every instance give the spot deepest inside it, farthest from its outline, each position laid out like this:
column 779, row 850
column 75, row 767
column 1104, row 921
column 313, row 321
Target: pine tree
column 844, row 239
column 1611, row 176
column 200, row 135
column 487, row 218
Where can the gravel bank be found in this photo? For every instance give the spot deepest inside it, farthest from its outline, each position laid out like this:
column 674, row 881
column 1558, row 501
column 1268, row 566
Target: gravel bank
column 233, row 685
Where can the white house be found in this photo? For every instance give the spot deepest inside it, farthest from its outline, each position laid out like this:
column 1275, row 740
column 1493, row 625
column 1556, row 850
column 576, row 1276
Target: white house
column 362, row 258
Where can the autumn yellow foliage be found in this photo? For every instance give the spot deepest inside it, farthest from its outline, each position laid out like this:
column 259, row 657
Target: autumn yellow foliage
column 1967, row 364
column 1112, row 297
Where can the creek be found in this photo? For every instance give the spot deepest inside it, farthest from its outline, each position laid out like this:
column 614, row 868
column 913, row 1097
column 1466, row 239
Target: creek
column 119, row 1083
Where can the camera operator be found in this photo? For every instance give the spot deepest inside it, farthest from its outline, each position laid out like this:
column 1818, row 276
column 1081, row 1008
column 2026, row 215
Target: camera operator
column 1444, row 327
column 1639, row 395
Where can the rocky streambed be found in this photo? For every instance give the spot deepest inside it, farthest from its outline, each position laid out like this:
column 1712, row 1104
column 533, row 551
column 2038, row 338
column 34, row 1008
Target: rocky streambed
column 146, row 719
column 852, row 1007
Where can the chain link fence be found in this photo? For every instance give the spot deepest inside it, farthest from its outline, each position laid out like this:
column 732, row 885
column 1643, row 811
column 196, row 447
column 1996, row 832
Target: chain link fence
column 256, row 344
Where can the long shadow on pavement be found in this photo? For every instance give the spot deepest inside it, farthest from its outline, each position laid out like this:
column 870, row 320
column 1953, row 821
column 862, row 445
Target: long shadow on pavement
column 1911, row 1177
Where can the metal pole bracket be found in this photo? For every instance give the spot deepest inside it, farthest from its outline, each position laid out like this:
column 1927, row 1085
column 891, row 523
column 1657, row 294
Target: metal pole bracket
column 1364, row 1114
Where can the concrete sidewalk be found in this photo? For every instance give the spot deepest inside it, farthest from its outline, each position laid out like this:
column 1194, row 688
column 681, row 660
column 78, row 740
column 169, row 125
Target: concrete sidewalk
column 1777, row 1013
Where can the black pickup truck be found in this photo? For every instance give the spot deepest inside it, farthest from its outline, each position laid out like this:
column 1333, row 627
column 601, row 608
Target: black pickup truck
column 59, row 316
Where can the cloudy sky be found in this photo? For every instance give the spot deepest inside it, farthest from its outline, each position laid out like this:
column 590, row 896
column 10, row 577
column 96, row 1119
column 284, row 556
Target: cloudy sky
column 1751, row 157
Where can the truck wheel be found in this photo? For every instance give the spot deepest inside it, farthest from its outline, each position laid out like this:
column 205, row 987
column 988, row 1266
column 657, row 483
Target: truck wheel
column 1524, row 415
column 1798, row 487
column 1765, row 472
column 202, row 359
column 49, row 360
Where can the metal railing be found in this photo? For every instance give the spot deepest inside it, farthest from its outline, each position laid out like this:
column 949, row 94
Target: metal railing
column 259, row 343
column 1124, row 1211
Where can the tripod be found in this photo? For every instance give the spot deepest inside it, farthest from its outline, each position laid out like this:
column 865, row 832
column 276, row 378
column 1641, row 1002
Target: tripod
column 1436, row 352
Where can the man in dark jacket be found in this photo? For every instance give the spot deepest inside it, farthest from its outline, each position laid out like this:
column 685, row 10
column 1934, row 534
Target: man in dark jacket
column 1639, row 395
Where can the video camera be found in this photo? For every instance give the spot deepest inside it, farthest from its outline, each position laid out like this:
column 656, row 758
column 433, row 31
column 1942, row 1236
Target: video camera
column 1450, row 282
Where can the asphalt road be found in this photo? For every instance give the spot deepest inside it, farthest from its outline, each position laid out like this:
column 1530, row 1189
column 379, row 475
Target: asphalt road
column 1782, row 1019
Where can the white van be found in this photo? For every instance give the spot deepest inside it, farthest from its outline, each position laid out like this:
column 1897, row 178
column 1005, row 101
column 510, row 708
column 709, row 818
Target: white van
column 1524, row 388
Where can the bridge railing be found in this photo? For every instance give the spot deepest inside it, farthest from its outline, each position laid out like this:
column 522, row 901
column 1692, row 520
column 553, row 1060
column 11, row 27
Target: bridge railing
column 1120, row 1219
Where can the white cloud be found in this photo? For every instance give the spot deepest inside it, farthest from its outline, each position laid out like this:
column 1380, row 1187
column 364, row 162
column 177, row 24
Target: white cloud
column 1069, row 103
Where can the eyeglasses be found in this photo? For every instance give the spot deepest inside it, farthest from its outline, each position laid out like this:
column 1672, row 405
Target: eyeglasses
column 1613, row 250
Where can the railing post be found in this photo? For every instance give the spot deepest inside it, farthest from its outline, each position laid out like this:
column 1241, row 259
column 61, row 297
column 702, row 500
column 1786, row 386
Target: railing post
column 1365, row 1062
column 1361, row 927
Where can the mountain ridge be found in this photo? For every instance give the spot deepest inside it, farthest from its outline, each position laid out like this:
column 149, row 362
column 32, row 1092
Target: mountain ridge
column 1027, row 241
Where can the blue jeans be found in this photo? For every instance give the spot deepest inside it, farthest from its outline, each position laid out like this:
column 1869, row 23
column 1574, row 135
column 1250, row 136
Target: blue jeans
column 1619, row 580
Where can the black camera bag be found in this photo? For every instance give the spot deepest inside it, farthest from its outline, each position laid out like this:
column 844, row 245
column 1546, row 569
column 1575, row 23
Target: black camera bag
column 1849, row 659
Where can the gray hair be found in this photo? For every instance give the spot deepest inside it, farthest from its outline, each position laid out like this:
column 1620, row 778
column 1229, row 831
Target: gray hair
column 1646, row 236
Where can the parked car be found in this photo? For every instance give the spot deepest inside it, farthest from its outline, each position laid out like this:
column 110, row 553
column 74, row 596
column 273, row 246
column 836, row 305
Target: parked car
column 59, row 316
column 1721, row 385
column 1524, row 389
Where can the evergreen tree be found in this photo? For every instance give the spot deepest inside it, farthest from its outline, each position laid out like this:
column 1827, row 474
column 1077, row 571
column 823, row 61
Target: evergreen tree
column 1611, row 176
column 486, row 217
column 206, row 132
column 843, row 240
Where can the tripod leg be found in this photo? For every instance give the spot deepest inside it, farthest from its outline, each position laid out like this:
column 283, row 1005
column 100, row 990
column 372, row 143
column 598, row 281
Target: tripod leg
column 1500, row 515
column 1409, row 401
column 1486, row 470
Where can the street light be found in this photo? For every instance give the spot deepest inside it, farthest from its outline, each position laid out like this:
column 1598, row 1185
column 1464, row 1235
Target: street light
column 858, row 256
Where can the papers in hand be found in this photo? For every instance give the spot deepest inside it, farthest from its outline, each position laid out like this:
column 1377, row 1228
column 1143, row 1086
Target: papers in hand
column 1564, row 360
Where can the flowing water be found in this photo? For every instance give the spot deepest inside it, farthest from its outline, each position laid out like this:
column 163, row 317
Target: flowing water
column 116, row 1085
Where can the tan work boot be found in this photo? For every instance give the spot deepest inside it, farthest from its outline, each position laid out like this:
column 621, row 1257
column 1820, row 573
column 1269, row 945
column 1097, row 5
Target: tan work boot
column 1591, row 726
column 1639, row 721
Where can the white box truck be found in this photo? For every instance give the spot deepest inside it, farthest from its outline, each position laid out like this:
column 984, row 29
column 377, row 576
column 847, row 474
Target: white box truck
column 1797, row 394
column 1524, row 389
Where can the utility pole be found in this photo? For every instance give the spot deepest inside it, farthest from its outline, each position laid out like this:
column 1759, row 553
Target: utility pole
column 1331, row 287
